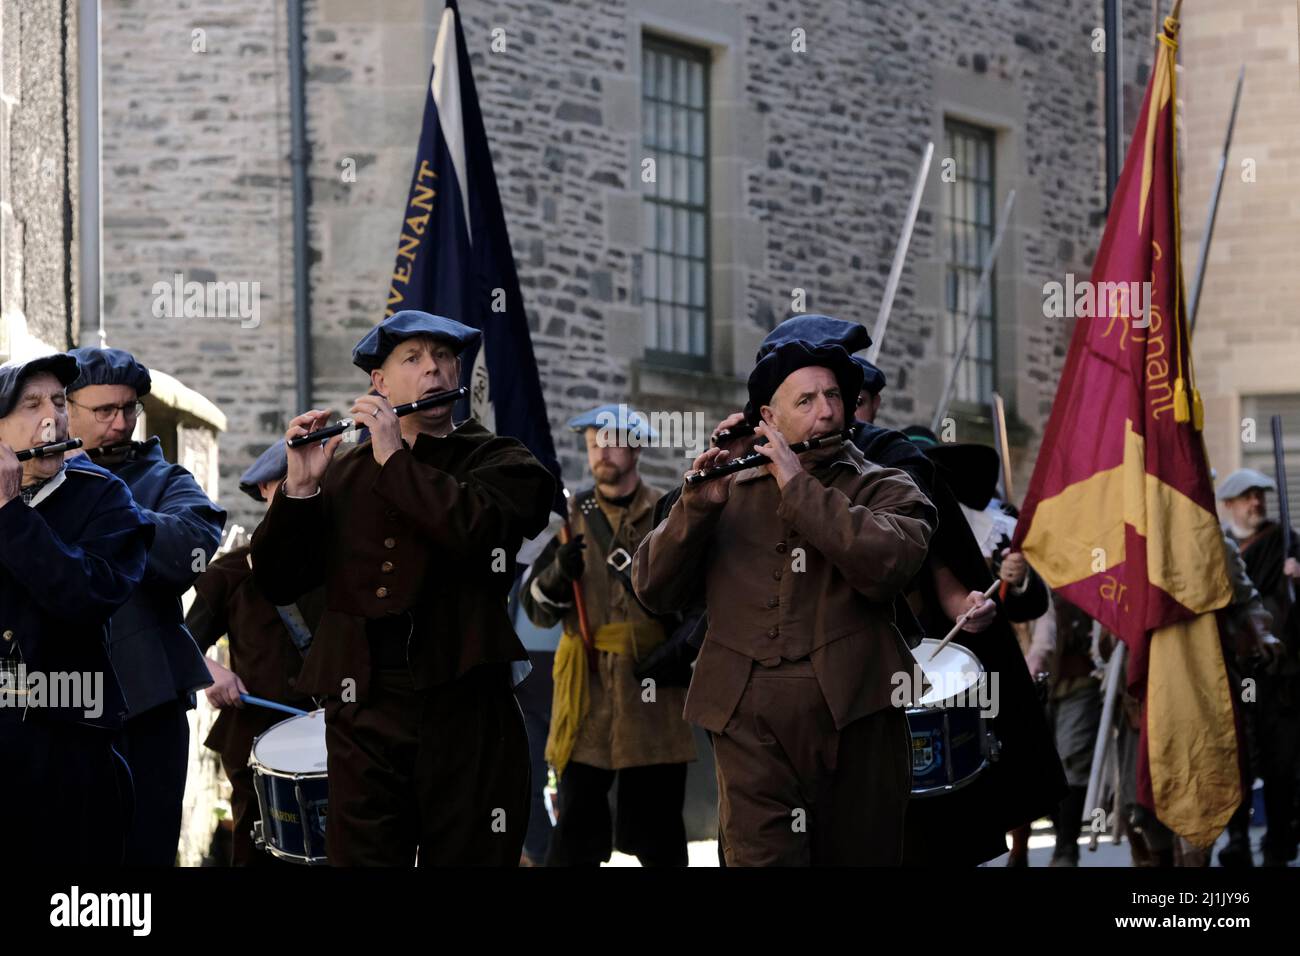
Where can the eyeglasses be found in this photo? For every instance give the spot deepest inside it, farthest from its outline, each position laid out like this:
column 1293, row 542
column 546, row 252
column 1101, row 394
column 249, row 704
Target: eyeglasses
column 106, row 413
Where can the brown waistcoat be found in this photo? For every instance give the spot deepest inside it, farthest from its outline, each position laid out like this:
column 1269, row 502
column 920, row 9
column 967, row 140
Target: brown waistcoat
column 428, row 540
column 811, row 569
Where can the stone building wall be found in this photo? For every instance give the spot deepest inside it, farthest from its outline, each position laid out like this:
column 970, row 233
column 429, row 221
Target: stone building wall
column 1247, row 337
column 813, row 157
column 38, row 174
column 196, row 183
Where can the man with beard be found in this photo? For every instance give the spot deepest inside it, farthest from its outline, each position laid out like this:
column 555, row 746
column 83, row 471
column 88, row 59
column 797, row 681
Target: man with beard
column 155, row 657
column 414, row 533
column 1277, row 708
column 603, row 723
column 801, row 560
column 72, row 549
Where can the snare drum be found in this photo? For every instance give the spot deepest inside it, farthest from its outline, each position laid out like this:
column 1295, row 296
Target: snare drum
column 288, row 763
column 951, row 742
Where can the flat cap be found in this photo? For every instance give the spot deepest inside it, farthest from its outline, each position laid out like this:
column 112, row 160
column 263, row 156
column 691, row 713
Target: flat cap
column 271, row 465
column 873, row 379
column 110, row 367
column 616, row 417
column 779, row 363
column 12, row 375
column 817, row 330
column 400, row 326
column 1241, row 481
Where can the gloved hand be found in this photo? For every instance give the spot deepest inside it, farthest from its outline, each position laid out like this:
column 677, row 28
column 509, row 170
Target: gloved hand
column 569, row 559
column 669, row 664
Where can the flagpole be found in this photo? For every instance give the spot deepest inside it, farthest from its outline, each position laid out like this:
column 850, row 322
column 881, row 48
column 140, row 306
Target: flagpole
column 971, row 313
column 1194, row 301
column 298, row 160
column 900, row 255
column 1113, row 96
column 1003, row 445
column 1105, row 732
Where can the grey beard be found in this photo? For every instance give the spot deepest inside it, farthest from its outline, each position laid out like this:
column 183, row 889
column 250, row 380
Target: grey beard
column 1241, row 533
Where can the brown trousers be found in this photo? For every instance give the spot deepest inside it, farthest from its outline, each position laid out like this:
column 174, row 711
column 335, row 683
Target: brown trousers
column 794, row 791
column 443, row 771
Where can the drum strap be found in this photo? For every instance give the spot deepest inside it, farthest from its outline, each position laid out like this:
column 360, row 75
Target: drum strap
column 298, row 630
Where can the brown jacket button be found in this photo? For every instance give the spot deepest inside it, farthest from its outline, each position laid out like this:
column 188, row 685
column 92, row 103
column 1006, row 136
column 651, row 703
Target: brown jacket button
column 776, row 575
column 773, row 602
column 780, row 548
column 390, row 543
column 381, row 592
column 386, row 567
column 773, row 632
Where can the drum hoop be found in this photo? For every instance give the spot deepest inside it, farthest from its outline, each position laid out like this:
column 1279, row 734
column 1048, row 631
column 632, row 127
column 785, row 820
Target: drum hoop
column 295, row 857
column 953, row 787
column 258, row 767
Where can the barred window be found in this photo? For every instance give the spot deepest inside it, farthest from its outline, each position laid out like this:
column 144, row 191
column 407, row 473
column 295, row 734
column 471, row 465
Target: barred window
column 675, row 267
column 1257, row 447
column 968, row 227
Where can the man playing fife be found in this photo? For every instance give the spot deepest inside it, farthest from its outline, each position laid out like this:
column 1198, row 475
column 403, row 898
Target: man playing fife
column 802, row 559
column 414, row 533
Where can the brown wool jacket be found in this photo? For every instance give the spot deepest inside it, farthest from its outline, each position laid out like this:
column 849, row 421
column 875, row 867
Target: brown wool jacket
column 809, row 570
column 418, row 537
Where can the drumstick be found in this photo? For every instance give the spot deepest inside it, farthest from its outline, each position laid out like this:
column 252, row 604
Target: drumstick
column 271, row 705
column 960, row 621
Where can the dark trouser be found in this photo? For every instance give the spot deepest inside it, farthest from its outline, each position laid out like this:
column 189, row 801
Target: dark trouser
column 1277, row 734
column 534, row 696
column 794, row 791
column 648, row 823
column 156, row 745
column 246, row 812
column 65, row 795
column 1065, row 823
column 1075, row 720
column 442, row 771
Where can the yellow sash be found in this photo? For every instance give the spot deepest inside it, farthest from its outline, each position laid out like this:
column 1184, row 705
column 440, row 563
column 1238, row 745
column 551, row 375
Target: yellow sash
column 572, row 693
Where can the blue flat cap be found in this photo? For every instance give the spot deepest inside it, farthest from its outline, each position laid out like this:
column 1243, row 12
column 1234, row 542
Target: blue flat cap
column 873, row 379
column 1241, row 481
column 817, row 330
column 384, row 337
column 777, row 365
column 271, row 465
column 617, row 417
column 110, row 367
column 13, row 374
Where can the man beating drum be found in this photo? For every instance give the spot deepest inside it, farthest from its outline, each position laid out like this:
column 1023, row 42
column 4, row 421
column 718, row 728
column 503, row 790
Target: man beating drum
column 266, row 648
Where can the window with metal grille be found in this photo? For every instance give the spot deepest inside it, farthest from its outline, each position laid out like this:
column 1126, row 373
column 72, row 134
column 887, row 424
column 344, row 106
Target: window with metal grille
column 968, row 226
column 675, row 267
column 1258, row 454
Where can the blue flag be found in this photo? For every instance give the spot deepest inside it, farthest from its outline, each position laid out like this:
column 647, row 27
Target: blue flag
column 454, row 256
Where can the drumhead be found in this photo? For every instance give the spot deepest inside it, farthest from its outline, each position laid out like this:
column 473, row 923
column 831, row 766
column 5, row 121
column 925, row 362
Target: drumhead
column 955, row 671
column 296, row 745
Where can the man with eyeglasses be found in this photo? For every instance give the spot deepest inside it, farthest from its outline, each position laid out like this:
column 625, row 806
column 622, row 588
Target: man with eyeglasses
column 157, row 661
